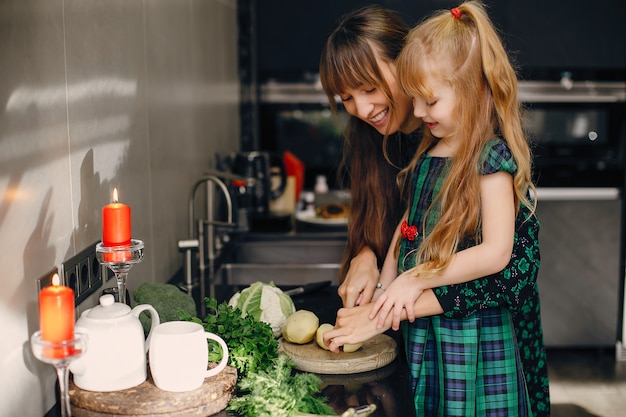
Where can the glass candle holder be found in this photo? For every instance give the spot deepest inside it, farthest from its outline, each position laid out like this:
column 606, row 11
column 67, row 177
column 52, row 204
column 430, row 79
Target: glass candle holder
column 60, row 355
column 120, row 259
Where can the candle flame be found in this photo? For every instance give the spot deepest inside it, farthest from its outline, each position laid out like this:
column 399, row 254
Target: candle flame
column 56, row 280
column 115, row 195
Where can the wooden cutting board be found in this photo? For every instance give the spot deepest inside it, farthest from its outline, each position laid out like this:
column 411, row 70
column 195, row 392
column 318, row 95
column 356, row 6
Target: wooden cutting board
column 377, row 352
column 147, row 400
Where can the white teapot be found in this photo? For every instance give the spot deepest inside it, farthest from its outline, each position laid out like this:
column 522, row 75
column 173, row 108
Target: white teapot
column 116, row 355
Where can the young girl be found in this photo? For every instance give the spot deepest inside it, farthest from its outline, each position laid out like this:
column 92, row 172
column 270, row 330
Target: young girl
column 468, row 188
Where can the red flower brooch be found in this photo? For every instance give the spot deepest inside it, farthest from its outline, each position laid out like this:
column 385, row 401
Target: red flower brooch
column 408, row 232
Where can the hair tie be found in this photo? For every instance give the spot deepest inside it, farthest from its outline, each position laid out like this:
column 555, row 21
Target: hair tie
column 456, row 12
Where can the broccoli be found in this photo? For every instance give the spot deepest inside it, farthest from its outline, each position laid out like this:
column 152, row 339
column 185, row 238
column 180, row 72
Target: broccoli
column 167, row 300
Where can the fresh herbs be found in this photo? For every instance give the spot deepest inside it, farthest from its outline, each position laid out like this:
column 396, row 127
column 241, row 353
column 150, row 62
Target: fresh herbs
column 278, row 392
column 251, row 344
column 267, row 384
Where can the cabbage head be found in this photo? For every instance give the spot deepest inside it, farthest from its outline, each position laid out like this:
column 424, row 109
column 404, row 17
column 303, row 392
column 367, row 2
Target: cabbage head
column 264, row 302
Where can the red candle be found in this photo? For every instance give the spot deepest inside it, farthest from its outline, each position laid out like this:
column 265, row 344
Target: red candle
column 116, row 223
column 56, row 316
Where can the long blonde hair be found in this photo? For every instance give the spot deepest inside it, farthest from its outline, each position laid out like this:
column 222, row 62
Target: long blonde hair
column 464, row 50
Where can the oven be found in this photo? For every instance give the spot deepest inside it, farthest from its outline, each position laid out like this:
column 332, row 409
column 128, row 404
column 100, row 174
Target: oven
column 577, row 130
column 578, row 135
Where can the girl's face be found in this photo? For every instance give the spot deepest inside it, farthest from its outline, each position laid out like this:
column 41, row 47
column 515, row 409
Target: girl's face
column 370, row 104
column 438, row 112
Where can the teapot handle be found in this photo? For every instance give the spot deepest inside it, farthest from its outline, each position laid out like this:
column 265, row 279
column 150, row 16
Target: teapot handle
column 79, row 365
column 154, row 315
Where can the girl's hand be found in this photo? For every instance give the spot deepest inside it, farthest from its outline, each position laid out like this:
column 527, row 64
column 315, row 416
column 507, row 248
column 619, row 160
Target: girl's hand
column 352, row 326
column 360, row 282
column 399, row 298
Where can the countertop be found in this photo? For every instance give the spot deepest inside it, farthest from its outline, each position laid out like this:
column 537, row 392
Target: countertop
column 386, row 387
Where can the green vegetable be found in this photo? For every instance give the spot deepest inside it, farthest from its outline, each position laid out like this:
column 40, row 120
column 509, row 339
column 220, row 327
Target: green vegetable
column 251, row 344
column 266, row 386
column 278, row 392
column 167, row 300
column 266, row 303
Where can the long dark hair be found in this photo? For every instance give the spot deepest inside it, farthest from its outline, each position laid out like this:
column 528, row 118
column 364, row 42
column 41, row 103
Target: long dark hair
column 371, row 161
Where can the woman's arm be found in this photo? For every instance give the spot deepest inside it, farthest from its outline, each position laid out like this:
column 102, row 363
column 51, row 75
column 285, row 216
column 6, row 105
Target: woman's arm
column 509, row 288
column 360, row 281
column 359, row 287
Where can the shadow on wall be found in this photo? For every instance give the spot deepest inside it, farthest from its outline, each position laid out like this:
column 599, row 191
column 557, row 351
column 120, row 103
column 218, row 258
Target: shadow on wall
column 570, row 410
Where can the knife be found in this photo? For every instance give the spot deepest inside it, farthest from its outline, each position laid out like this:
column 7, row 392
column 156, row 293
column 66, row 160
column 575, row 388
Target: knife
column 308, row 288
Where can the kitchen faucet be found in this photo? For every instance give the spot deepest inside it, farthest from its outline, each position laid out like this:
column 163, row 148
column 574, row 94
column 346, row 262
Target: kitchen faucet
column 210, row 242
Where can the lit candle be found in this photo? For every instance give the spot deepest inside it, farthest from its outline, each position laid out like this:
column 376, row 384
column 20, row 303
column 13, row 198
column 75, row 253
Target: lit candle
column 56, row 315
column 116, row 223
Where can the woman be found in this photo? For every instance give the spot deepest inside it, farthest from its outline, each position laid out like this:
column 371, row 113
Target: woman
column 358, row 65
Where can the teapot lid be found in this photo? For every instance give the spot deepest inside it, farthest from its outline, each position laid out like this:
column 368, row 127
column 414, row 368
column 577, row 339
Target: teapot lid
column 108, row 308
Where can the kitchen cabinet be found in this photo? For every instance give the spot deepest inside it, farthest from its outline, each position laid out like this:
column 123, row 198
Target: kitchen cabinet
column 577, row 35
column 574, row 35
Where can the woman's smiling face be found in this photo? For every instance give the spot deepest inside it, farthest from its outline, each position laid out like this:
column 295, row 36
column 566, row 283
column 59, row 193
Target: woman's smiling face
column 370, row 104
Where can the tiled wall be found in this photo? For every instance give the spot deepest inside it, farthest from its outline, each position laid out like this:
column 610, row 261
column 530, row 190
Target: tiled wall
column 97, row 94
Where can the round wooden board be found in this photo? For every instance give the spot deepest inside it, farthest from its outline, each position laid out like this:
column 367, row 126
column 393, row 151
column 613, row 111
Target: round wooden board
column 147, row 400
column 377, row 352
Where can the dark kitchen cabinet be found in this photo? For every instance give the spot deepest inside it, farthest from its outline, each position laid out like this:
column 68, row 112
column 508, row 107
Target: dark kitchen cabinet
column 291, row 34
column 546, row 37
column 580, row 36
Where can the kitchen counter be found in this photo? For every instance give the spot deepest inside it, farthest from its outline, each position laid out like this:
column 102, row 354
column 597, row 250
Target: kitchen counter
column 386, row 387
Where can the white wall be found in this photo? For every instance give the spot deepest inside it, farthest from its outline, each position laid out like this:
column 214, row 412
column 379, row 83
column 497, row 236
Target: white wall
column 96, row 94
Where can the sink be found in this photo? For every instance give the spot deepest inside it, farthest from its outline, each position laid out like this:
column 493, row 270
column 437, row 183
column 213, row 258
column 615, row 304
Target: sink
column 295, row 251
column 282, row 274
column 293, row 259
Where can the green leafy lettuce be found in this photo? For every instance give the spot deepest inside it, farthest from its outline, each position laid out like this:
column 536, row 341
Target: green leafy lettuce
column 267, row 385
column 279, row 392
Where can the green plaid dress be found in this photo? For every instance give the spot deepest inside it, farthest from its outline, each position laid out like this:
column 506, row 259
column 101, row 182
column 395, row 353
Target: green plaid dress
column 467, row 366
column 515, row 287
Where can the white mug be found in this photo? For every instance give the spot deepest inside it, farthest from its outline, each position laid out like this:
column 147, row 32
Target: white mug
column 179, row 355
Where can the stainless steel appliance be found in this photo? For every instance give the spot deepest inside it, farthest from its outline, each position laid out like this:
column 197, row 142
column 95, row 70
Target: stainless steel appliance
column 578, row 131
column 580, row 275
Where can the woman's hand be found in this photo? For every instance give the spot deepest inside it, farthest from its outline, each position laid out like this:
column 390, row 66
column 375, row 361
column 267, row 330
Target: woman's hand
column 399, row 300
column 353, row 326
column 360, row 283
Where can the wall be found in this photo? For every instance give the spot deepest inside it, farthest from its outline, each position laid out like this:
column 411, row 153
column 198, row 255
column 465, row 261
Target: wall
column 97, row 94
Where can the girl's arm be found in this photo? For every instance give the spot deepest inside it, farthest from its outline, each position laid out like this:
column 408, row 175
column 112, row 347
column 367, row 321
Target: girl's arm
column 389, row 271
column 488, row 257
column 353, row 325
